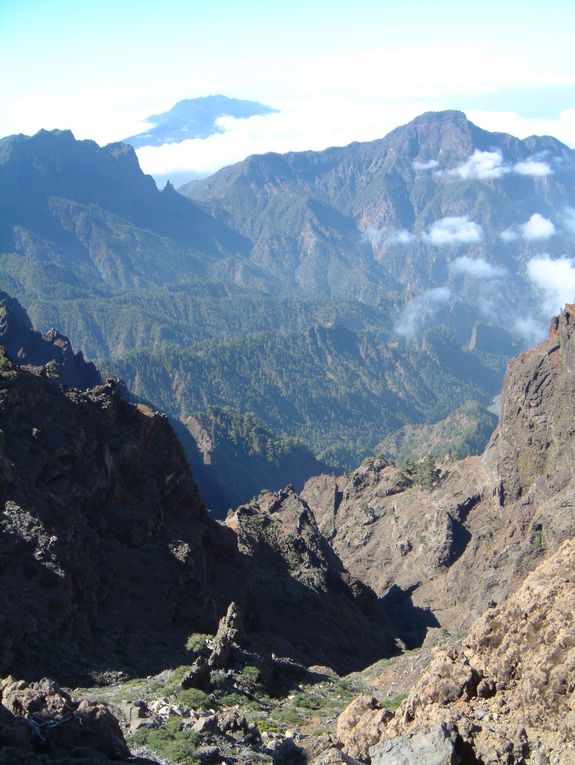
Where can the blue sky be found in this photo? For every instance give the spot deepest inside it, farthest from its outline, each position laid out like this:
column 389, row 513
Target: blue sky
column 338, row 71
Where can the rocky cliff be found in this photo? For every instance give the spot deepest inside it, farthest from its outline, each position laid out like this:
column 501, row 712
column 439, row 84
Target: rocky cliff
column 27, row 347
column 458, row 539
column 110, row 559
column 504, row 694
column 438, row 541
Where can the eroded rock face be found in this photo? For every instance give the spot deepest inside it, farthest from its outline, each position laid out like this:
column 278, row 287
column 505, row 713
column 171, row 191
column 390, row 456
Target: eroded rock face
column 28, row 347
column 437, row 555
column 302, row 593
column 112, row 554
column 506, row 693
column 42, row 723
column 536, row 435
column 114, row 560
column 361, row 725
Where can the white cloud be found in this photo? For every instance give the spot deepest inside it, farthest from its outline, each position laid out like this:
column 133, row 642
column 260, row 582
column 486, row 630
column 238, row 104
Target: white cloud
column 482, row 165
column 385, row 235
column 510, row 234
column 554, row 280
column 532, row 330
column 429, row 165
column 532, row 167
column 453, row 230
column 310, row 124
column 402, row 236
column 418, row 311
column 375, row 236
column 477, row 268
column 537, row 227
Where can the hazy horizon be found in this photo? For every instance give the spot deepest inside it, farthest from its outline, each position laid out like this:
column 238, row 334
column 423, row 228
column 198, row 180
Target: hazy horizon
column 335, row 74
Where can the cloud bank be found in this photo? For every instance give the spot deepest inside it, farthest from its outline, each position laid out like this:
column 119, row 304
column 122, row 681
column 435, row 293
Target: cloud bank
column 418, row 311
column 554, row 279
column 532, row 167
column 477, row 268
column 537, row 228
column 429, row 165
column 482, row 165
column 453, row 230
column 309, row 124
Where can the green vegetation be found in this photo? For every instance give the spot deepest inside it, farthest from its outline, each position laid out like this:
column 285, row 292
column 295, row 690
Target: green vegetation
column 197, row 641
column 338, row 391
column 423, row 473
column 172, row 742
column 464, row 431
column 393, row 704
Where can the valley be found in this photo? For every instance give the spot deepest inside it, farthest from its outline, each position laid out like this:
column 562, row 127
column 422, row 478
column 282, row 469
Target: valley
column 266, row 514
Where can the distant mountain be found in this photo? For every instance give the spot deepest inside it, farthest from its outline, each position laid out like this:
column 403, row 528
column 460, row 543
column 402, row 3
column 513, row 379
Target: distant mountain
column 438, row 203
column 82, row 220
column 339, row 295
column 194, row 118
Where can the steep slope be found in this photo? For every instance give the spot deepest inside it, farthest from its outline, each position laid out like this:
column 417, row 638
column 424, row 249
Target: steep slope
column 82, row 220
column 111, row 561
column 234, row 457
column 504, row 694
column 437, row 228
column 26, row 346
column 337, row 389
column 391, row 217
column 449, row 538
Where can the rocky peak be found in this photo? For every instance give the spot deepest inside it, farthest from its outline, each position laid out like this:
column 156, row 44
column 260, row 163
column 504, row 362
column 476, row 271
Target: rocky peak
column 25, row 346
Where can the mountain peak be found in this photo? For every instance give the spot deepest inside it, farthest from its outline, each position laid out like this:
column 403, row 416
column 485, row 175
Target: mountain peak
column 447, row 115
column 194, row 118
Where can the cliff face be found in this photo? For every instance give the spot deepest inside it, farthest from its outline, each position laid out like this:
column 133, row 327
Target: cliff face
column 302, row 591
column 499, row 528
column 109, row 559
column 535, row 442
column 111, row 552
column 451, row 537
column 504, row 694
column 25, row 346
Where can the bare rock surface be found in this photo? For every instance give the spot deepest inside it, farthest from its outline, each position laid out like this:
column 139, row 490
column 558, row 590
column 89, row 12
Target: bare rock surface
column 361, row 724
column 112, row 559
column 41, row 723
column 438, row 552
column 505, row 693
column 303, row 590
column 50, row 352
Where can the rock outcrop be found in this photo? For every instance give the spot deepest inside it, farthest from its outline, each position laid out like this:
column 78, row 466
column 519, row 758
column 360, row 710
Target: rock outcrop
column 302, row 590
column 41, row 723
column 111, row 561
column 111, row 552
column 51, row 352
column 506, row 693
column 439, row 544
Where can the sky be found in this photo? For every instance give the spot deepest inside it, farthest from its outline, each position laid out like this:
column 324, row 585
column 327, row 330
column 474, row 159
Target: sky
column 336, row 71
